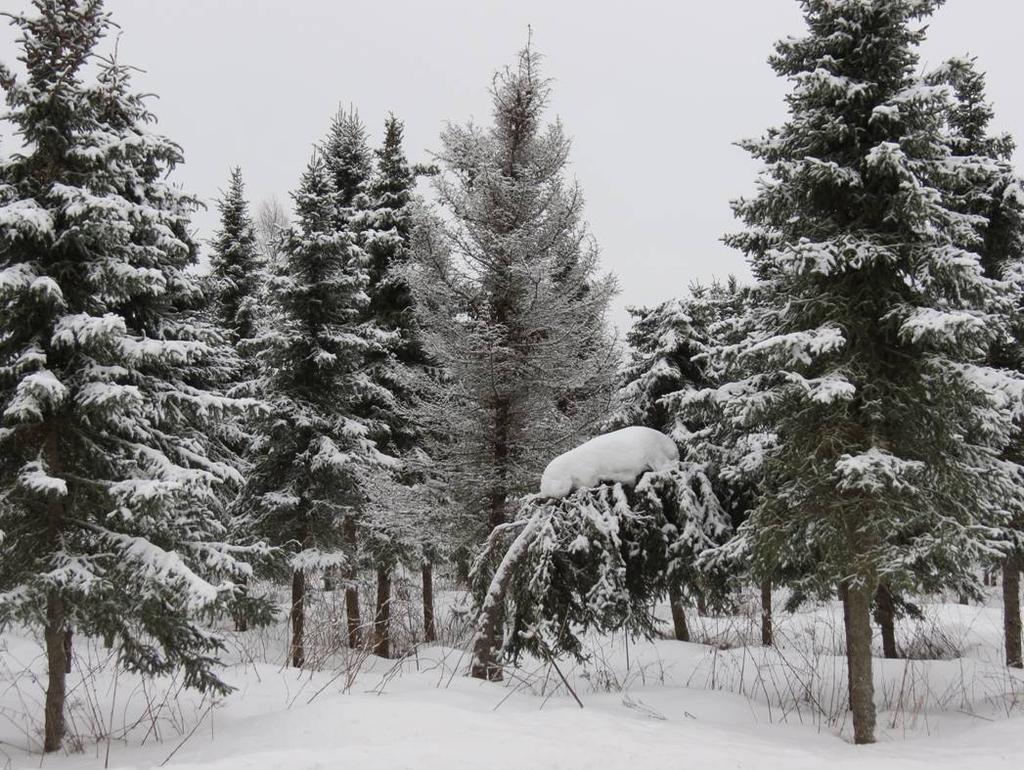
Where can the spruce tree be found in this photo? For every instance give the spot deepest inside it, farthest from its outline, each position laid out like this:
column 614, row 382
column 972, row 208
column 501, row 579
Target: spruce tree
column 872, row 326
column 112, row 515
column 237, row 289
column 512, row 303
column 513, row 307
column 398, row 370
column 993, row 193
column 313, row 448
column 669, row 362
column 349, row 163
column 236, row 270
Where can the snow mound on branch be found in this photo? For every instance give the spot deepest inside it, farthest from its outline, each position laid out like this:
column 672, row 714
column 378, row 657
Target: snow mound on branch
column 620, row 456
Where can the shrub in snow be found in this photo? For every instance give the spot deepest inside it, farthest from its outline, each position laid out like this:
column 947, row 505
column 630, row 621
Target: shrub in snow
column 598, row 558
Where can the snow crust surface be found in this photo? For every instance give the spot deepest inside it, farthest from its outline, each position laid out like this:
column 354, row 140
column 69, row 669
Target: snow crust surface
column 647, row 704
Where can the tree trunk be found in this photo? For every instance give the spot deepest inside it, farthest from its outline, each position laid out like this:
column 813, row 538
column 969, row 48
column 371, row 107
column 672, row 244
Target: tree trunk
column 67, row 651
column 767, row 632
column 499, row 496
column 702, row 604
column 382, row 619
column 298, row 652
column 885, row 616
column 487, row 642
column 1011, row 611
column 429, row 627
column 846, row 625
column 857, row 614
column 351, row 586
column 55, row 635
column 675, row 600
column 241, row 621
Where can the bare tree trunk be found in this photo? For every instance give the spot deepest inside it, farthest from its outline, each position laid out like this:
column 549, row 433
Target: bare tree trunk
column 846, row 624
column 298, row 652
column 351, row 587
column 702, row 604
column 767, row 632
column 857, row 614
column 55, row 634
column 241, row 621
column 68, row 650
column 885, row 616
column 499, row 496
column 382, row 619
column 429, row 627
column 675, row 600
column 487, row 642
column 1011, row 611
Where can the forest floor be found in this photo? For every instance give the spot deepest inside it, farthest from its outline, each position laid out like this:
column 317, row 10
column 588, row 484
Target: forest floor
column 722, row 703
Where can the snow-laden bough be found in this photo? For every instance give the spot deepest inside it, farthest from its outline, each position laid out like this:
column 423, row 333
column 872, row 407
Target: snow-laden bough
column 596, row 556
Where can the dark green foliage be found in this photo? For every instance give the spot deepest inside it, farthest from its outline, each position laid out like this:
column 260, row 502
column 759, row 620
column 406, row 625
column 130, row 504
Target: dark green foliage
column 313, row 447
column 597, row 560
column 111, row 491
column 349, row 164
column 670, row 363
column 871, row 321
column 235, row 264
column 391, row 305
column 992, row 193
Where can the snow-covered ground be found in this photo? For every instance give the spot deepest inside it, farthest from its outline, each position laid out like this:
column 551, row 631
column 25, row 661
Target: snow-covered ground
column 660, row 704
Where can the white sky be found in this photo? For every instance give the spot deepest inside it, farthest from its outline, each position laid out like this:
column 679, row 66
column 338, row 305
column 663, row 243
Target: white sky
column 654, row 93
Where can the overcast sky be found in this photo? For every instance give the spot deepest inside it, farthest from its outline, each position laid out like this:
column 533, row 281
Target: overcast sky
column 653, row 93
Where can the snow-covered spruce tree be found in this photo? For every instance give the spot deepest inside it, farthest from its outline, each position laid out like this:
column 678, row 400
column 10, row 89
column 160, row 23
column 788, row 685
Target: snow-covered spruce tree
column 398, row 371
column 314, row 450
column 237, row 287
column 598, row 559
column 112, row 515
column 511, row 301
column 349, row 164
column 235, row 265
column 662, row 344
column 993, row 192
column 668, row 347
column 875, row 320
